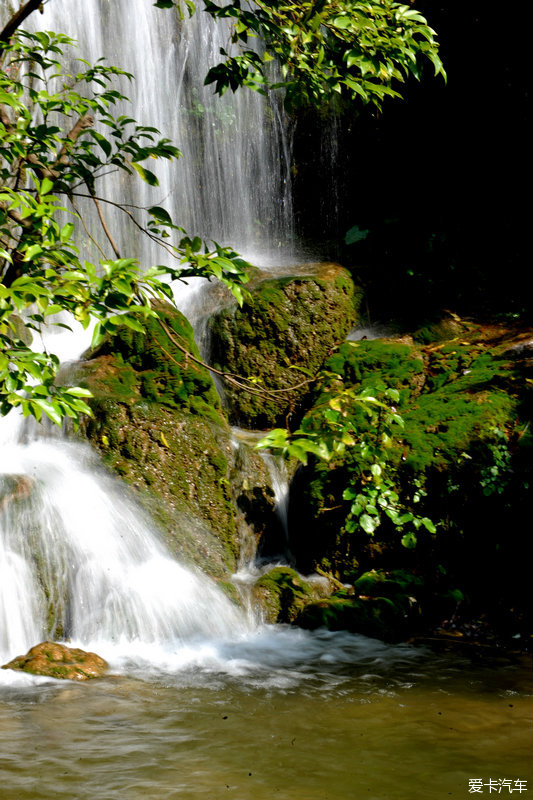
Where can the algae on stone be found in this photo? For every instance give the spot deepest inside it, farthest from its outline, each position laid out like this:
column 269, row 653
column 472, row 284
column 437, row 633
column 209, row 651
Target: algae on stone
column 282, row 594
column 159, row 425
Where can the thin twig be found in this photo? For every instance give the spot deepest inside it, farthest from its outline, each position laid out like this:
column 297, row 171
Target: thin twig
column 105, row 227
column 91, row 237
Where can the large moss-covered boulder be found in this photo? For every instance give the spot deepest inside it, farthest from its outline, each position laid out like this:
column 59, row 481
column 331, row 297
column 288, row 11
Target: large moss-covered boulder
column 54, row 660
column 159, row 425
column 161, row 366
column 464, row 459
column 384, row 605
column 289, row 323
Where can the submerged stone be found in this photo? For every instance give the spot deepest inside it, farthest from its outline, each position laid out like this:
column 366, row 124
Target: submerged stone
column 59, row 661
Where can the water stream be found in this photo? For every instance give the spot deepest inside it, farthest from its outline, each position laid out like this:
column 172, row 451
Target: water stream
column 233, row 183
column 325, row 717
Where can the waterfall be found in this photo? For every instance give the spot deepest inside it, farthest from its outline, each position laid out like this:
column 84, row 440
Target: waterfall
column 233, row 183
column 77, row 558
column 277, row 546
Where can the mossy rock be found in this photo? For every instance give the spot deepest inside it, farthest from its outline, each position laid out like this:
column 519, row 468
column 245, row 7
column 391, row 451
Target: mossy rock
column 378, row 617
column 159, row 425
column 467, row 406
column 289, row 323
column 54, row 660
column 176, row 451
column 178, row 464
column 282, row 594
column 161, row 366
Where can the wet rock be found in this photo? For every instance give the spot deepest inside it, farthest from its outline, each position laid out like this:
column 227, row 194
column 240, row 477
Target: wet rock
column 159, row 425
column 283, row 593
column 59, row 661
column 289, row 323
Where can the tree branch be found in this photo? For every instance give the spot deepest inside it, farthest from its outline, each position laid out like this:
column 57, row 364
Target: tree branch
column 87, row 121
column 105, row 227
column 122, row 207
column 5, row 119
column 18, row 18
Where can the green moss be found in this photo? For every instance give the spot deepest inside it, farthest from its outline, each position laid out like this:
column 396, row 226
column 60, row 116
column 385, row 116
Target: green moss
column 466, row 408
column 282, row 593
column 153, row 367
column 288, row 323
column 378, row 617
column 158, row 424
column 230, row 591
column 182, row 460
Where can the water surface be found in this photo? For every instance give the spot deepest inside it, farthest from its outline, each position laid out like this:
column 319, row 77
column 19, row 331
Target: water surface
column 276, row 714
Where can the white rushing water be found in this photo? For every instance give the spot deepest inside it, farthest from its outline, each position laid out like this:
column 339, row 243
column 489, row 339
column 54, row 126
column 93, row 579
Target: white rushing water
column 75, row 552
column 233, row 183
column 77, row 558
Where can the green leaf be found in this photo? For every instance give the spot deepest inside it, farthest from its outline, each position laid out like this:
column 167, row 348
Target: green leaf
column 98, row 335
column 51, row 410
column 160, row 214
column 131, row 322
column 409, row 540
column 78, row 391
column 46, row 186
column 66, row 232
column 103, row 142
column 368, row 523
column 145, row 174
column 428, row 524
column 356, row 234
column 32, row 251
column 457, row 595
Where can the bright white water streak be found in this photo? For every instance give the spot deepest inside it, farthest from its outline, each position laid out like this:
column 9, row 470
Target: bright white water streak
column 233, row 182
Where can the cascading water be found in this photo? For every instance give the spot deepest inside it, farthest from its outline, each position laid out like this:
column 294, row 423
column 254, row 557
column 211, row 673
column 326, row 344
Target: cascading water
column 233, row 183
column 77, row 559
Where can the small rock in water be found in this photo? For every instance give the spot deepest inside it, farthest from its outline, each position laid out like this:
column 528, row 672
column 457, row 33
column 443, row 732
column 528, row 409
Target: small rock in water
column 58, row 661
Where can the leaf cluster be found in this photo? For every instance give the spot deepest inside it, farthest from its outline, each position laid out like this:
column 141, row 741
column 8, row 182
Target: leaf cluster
column 331, row 434
column 360, row 49
column 58, row 136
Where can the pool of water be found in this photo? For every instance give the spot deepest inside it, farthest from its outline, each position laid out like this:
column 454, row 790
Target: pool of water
column 280, row 714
